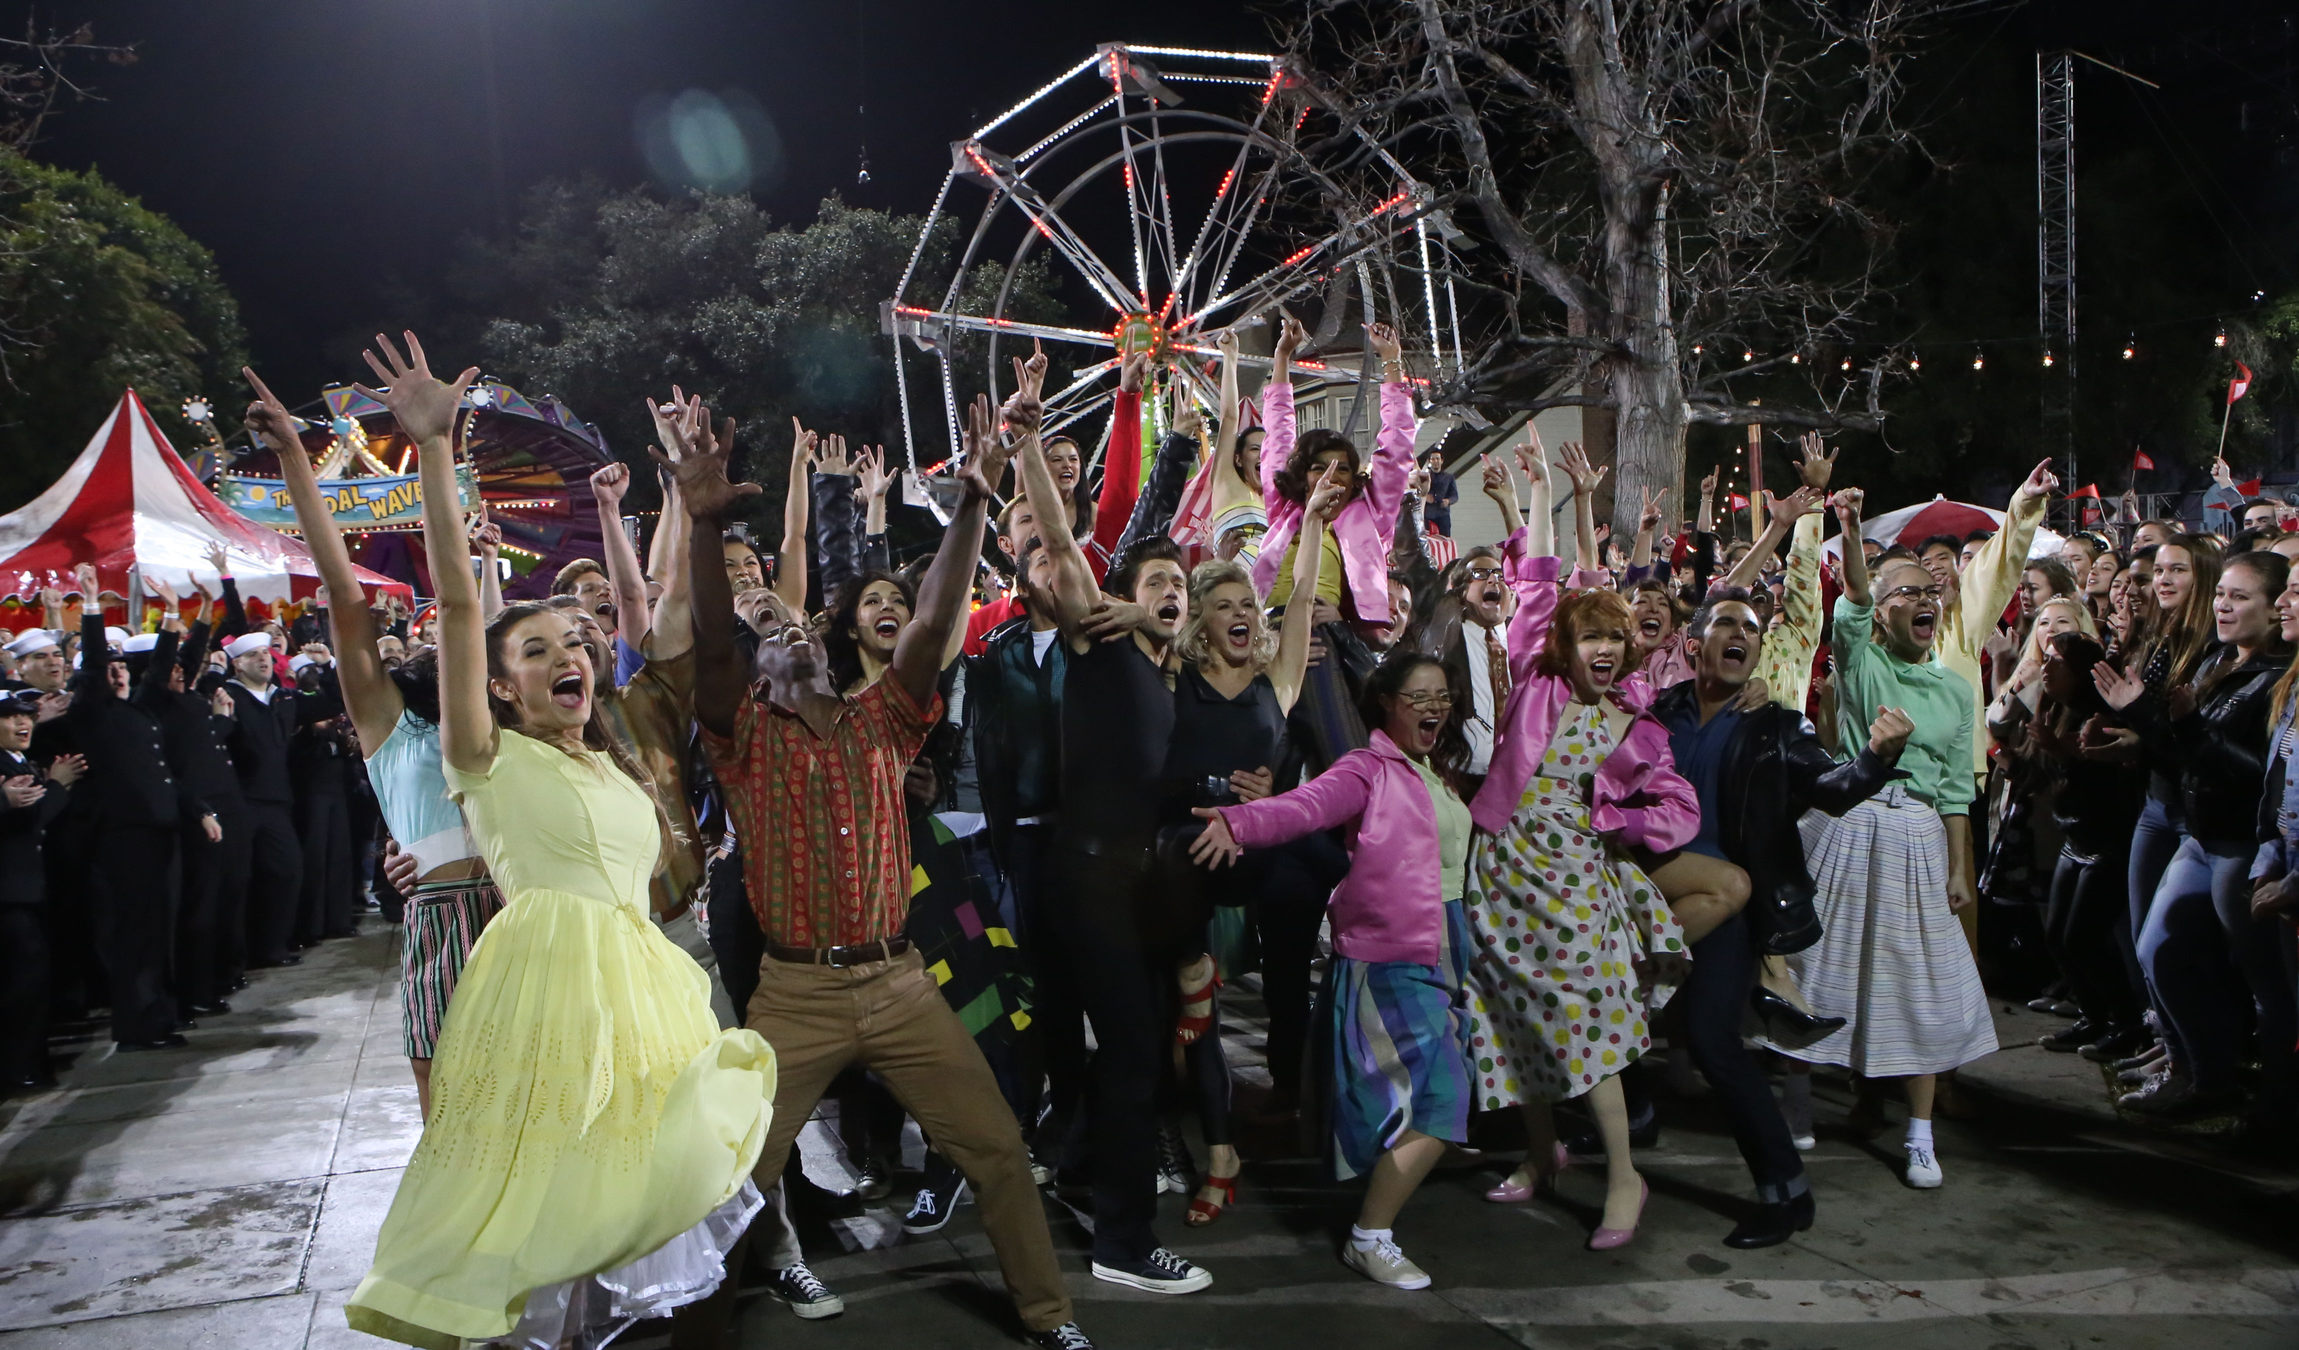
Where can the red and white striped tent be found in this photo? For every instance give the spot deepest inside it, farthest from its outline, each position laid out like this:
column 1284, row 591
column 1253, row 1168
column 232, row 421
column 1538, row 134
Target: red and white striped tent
column 129, row 501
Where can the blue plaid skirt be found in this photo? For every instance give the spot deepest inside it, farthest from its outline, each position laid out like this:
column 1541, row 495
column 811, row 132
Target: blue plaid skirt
column 1400, row 1035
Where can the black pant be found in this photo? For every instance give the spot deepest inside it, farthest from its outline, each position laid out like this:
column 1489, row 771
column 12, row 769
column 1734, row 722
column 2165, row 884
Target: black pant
column 324, row 820
column 75, row 976
column 2088, row 929
column 1125, row 989
column 211, row 871
column 735, row 938
column 1054, row 1045
column 132, row 902
column 23, row 992
column 1288, row 897
column 229, row 879
column 274, row 881
column 1711, row 1004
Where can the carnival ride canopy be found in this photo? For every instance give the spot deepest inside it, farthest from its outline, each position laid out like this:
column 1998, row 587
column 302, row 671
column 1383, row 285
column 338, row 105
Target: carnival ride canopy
column 130, row 502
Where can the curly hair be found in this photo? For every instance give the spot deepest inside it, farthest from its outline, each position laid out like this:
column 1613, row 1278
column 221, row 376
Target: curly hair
column 841, row 648
column 1292, row 481
column 1583, row 612
column 1451, row 755
column 1195, row 644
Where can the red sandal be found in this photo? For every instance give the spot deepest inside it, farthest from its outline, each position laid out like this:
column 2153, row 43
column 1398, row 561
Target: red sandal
column 1190, row 1027
column 1203, row 1211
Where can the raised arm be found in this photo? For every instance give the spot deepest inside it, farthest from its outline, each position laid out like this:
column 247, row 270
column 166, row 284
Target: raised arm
column 837, row 520
column 701, row 485
column 1540, row 518
column 624, row 574
column 1986, row 584
column 1229, row 485
column 1122, row 465
column 672, row 633
column 1075, row 590
column 488, row 539
column 1169, row 474
column 368, row 693
column 1293, row 631
column 1781, row 515
column 1393, row 445
column 1504, row 494
column 1586, row 478
column 790, row 564
column 926, row 646
column 426, row 409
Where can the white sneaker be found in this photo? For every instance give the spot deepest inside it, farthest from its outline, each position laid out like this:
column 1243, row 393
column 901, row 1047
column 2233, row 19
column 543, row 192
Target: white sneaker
column 1805, row 1143
column 1923, row 1168
column 1383, row 1263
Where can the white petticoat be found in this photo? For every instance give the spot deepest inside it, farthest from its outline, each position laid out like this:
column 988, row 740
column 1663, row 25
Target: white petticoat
column 588, row 1313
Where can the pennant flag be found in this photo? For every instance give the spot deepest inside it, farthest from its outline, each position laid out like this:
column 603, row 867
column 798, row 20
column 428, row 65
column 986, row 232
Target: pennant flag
column 1739, row 503
column 2139, row 460
column 2249, row 487
column 2240, row 385
column 2090, row 490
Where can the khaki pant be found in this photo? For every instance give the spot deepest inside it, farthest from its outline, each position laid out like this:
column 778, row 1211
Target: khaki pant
column 889, row 1017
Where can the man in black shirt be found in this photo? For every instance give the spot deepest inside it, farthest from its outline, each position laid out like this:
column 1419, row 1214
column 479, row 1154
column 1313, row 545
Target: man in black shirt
column 1117, row 715
column 211, row 920
column 30, row 800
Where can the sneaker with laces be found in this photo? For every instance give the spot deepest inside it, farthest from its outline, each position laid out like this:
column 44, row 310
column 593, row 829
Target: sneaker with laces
column 1923, row 1167
column 931, row 1210
column 807, row 1296
column 1176, row 1170
column 1384, row 1263
column 1161, row 1272
column 1064, row 1337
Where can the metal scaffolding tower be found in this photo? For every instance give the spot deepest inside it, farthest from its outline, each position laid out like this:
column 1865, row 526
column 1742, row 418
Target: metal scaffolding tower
column 2055, row 251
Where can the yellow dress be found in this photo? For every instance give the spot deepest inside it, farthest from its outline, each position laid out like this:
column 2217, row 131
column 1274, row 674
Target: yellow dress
column 588, row 1114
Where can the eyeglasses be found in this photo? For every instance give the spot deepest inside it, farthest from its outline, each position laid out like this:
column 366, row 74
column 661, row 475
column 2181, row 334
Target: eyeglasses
column 1916, row 593
column 1483, row 574
column 1424, row 702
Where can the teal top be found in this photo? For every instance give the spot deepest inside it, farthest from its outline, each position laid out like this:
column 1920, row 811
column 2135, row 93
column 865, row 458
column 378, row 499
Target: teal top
column 1452, row 831
column 1938, row 760
column 411, row 787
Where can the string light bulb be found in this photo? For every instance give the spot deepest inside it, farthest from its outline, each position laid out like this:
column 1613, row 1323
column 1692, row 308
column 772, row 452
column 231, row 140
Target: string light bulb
column 1697, row 349
column 1979, row 361
column 2130, row 348
column 1915, row 363
column 1846, row 366
column 2047, row 358
column 1747, row 355
column 1796, row 358
column 2219, row 339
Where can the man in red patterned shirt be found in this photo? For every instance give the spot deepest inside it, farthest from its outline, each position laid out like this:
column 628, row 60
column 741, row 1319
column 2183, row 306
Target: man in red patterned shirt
column 813, row 782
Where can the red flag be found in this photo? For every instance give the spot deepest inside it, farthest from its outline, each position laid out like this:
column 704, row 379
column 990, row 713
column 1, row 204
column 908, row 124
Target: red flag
column 2238, row 386
column 1739, row 503
column 2090, row 490
column 2249, row 487
column 2139, row 460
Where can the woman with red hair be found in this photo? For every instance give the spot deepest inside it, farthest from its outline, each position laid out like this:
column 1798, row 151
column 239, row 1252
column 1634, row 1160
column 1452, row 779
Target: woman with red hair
column 1574, row 942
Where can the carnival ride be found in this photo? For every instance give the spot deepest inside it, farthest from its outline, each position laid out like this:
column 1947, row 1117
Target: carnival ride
column 1275, row 226
column 530, row 462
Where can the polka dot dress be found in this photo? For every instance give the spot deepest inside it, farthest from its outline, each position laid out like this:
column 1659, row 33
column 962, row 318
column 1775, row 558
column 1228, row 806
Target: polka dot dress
column 1576, row 951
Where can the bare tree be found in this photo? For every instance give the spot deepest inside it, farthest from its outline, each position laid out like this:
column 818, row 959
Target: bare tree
column 1655, row 202
column 33, row 77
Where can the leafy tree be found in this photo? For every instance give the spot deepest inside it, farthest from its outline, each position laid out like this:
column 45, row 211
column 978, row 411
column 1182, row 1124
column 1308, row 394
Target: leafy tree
column 98, row 294
column 607, row 298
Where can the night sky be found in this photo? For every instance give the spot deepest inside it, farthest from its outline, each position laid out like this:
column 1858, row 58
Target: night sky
column 322, row 148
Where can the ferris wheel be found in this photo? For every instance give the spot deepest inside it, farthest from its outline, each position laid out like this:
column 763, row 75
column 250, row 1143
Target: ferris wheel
column 1175, row 186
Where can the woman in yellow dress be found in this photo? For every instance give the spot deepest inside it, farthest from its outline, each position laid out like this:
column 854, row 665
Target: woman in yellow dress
column 588, row 1158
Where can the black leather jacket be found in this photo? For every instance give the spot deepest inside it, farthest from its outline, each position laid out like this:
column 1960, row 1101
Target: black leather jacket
column 2221, row 747
column 1774, row 770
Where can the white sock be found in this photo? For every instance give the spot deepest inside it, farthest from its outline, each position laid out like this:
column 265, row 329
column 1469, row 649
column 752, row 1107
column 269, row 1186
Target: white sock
column 1919, row 1132
column 1366, row 1239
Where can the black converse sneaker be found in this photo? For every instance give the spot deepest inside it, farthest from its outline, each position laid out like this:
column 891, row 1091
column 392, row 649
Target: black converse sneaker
column 806, row 1295
column 1161, row 1272
column 1064, row 1337
column 932, row 1209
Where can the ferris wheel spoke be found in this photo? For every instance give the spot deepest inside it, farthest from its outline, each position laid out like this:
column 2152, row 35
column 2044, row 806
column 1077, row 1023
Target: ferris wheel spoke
column 1237, row 232
column 1056, row 232
column 1303, row 268
column 919, row 322
column 1225, row 196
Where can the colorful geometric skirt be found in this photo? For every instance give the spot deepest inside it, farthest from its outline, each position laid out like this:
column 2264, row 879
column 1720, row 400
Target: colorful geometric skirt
column 1400, row 1050
column 444, row 920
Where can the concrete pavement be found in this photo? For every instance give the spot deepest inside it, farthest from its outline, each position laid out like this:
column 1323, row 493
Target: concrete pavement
column 228, row 1195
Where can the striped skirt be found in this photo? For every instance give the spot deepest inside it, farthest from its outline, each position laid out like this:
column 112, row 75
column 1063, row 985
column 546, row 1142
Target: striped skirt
column 1891, row 959
column 444, row 920
column 1400, row 1050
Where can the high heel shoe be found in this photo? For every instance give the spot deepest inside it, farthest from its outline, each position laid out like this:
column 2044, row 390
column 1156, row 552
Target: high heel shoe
column 1511, row 1192
column 1203, row 1211
column 1786, row 1021
column 1606, row 1239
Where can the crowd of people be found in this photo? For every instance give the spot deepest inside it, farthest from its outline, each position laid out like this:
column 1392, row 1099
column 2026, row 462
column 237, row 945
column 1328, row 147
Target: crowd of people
column 712, row 834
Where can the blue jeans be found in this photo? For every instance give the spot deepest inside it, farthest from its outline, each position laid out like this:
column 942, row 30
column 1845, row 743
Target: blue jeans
column 2202, row 949
column 2153, row 842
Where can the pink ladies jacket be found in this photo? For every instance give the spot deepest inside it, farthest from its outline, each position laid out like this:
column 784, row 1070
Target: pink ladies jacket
column 1366, row 526
column 1638, row 798
column 1388, row 908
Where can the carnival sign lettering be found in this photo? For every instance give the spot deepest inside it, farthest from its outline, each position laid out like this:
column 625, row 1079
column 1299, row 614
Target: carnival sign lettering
column 381, row 503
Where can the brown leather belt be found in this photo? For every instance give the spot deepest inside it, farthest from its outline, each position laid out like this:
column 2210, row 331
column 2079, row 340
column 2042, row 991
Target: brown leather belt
column 885, row 949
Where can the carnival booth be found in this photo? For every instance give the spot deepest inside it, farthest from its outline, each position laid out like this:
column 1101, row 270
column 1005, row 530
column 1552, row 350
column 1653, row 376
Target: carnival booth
column 130, row 505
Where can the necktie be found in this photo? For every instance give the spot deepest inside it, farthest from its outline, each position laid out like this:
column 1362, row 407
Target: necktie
column 1497, row 660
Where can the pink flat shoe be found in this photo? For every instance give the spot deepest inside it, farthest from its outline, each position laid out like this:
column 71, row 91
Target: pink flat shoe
column 1605, row 1239
column 1510, row 1193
